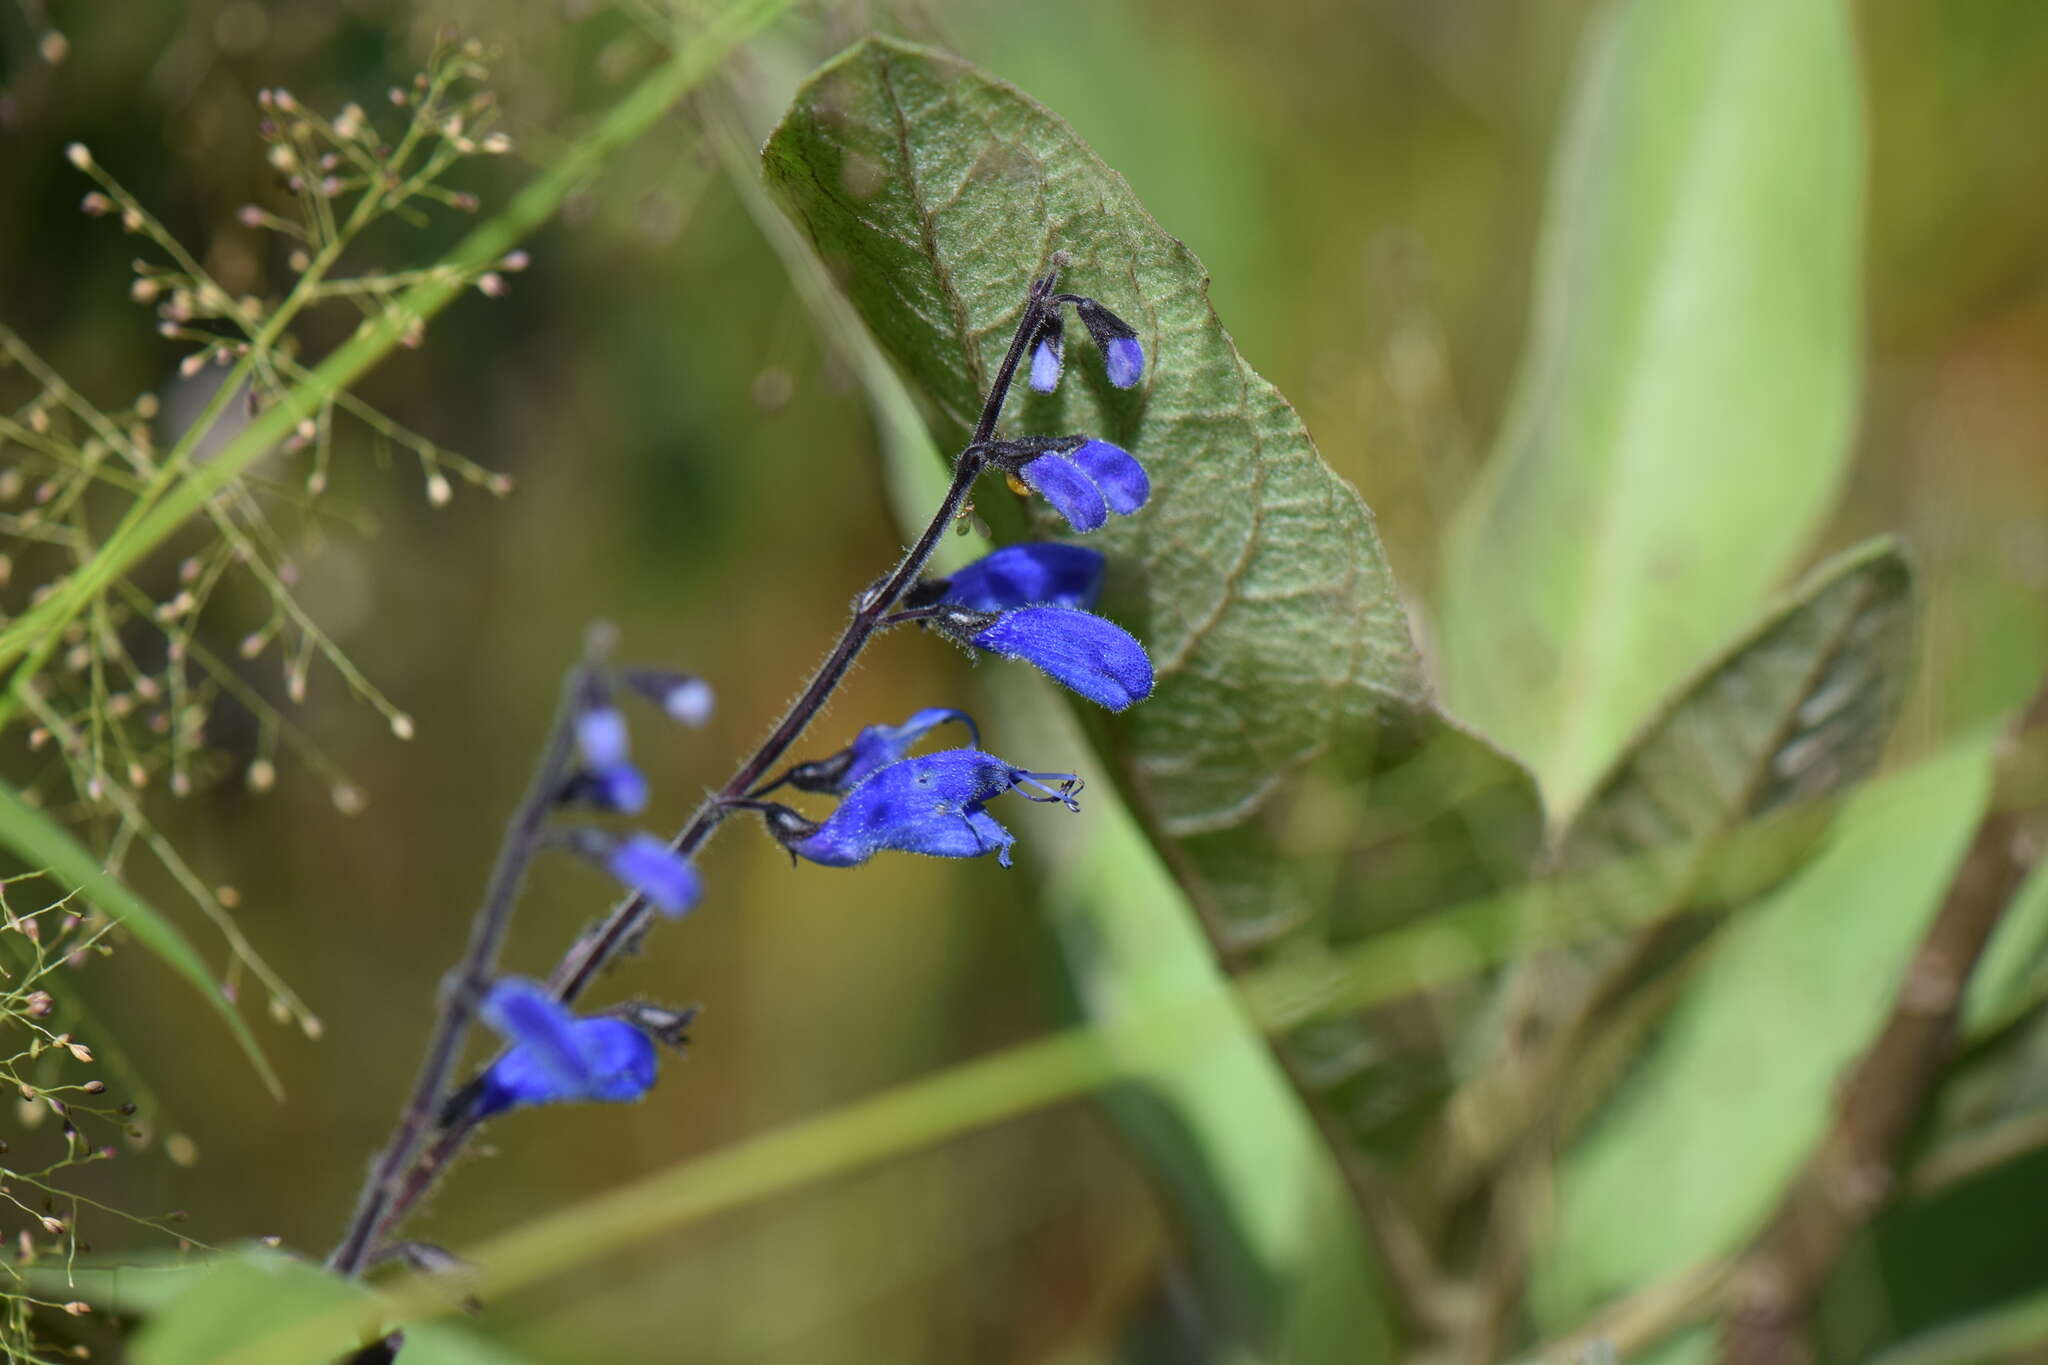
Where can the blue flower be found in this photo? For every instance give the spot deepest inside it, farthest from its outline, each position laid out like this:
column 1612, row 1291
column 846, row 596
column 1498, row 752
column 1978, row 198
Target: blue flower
column 556, row 1056
column 1090, row 483
column 620, row 787
column 607, row 779
column 1123, row 359
column 933, row 804
column 1026, row 575
column 683, row 697
column 875, row 747
column 645, row 864
column 1079, row 650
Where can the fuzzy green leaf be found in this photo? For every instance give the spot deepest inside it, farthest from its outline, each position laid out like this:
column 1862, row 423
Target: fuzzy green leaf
column 1681, row 422
column 1794, row 712
column 1255, row 575
column 1692, row 1153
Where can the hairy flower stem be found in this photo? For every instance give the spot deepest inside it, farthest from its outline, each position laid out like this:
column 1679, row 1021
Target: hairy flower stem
column 466, row 984
column 587, row 959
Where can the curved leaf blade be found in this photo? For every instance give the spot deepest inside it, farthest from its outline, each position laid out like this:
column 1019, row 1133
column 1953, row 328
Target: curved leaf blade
column 1255, row 575
column 1796, row 711
column 42, row 842
column 1681, row 420
column 1692, row 1153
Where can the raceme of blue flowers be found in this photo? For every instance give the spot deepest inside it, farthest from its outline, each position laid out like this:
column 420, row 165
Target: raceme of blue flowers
column 1030, row 602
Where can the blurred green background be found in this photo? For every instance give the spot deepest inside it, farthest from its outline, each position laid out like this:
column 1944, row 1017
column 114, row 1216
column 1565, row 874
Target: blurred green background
column 1363, row 181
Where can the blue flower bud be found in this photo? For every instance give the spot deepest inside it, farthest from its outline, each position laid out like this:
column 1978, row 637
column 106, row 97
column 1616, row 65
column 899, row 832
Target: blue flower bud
column 1079, row 650
column 645, row 864
column 1048, row 355
column 1026, row 575
column 685, row 698
column 621, row 787
column 932, row 804
column 1123, row 358
column 601, row 736
column 556, row 1056
column 1124, row 362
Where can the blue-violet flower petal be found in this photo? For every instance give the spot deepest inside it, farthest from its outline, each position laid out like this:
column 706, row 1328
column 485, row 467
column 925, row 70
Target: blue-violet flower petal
column 1045, row 365
column 1060, row 481
column 1079, row 650
column 1123, row 360
column 556, row 1056
column 656, row 871
column 877, row 746
column 601, row 735
column 932, row 804
column 1121, row 478
column 1026, row 575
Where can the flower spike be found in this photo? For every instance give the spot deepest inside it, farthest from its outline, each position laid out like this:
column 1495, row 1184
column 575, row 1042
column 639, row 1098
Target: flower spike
column 1079, row 650
column 556, row 1056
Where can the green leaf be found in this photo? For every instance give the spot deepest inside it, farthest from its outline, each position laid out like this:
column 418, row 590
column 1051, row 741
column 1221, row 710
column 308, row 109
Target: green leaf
column 1682, row 417
column 1795, row 711
column 1693, row 1152
column 200, row 1311
column 1255, row 576
column 41, row 842
column 1279, row 1249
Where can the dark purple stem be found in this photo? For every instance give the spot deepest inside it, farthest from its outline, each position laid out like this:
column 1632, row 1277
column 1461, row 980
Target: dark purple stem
column 623, row 927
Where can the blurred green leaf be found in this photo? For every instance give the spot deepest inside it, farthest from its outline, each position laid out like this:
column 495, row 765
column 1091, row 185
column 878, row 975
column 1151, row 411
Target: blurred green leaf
column 1255, row 575
column 41, row 842
column 1280, row 1247
column 1797, row 710
column 200, row 1311
column 1692, row 1152
column 1682, row 416
column 2013, row 977
column 2012, row 1331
